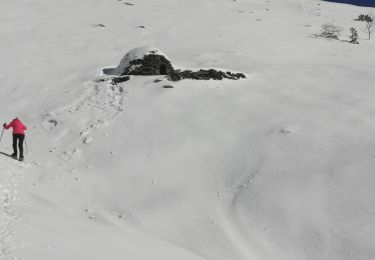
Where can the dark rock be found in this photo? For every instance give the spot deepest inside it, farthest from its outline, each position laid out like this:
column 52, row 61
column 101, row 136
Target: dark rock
column 157, row 80
column 100, row 25
column 53, row 122
column 100, row 80
column 175, row 76
column 240, row 76
column 204, row 75
column 168, row 86
column 216, row 75
column 186, row 74
column 118, row 80
column 151, row 64
column 149, row 61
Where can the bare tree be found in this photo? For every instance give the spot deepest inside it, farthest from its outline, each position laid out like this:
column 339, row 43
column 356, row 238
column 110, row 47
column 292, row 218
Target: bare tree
column 369, row 25
column 330, row 31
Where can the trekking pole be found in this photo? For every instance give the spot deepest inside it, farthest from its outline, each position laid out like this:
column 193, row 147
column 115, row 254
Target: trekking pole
column 2, row 135
column 27, row 150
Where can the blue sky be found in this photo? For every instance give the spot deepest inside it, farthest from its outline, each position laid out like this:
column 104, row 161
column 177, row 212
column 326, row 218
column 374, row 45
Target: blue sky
column 370, row 3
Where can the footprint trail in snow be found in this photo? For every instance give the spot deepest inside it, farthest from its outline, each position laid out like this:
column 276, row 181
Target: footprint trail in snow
column 8, row 212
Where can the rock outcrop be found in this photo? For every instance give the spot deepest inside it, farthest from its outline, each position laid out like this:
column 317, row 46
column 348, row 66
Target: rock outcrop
column 144, row 61
column 205, row 75
column 150, row 61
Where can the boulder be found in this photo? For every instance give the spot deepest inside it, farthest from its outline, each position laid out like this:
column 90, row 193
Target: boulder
column 118, row 80
column 151, row 61
column 144, row 61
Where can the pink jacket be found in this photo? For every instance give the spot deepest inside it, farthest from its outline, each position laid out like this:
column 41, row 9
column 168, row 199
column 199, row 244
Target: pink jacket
column 17, row 125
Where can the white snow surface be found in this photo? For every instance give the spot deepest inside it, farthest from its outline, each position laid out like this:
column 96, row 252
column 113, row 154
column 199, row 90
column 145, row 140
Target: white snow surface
column 277, row 166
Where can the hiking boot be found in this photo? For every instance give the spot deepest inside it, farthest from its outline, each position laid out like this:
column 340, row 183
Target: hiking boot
column 13, row 155
column 21, row 158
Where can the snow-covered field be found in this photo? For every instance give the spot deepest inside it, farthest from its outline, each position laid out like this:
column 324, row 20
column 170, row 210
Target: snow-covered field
column 277, row 166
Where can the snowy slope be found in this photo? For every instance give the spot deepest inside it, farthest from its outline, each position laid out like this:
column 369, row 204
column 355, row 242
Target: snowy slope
column 277, row 166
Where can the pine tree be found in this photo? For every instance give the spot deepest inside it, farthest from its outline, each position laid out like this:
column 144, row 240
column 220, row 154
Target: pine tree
column 361, row 17
column 353, row 36
column 368, row 18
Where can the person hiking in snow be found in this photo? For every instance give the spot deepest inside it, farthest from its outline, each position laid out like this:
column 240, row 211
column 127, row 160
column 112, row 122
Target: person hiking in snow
column 18, row 135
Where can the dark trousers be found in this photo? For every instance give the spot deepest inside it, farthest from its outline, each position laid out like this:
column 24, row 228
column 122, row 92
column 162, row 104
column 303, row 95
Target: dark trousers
column 19, row 138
